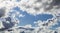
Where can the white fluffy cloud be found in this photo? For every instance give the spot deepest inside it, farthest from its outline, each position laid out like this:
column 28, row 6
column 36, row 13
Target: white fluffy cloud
column 1, row 25
column 34, row 7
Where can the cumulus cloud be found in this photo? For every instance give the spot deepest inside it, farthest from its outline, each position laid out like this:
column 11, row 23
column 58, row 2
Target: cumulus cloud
column 28, row 26
column 5, row 9
column 33, row 7
column 21, row 15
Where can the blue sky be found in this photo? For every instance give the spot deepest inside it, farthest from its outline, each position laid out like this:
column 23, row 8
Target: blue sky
column 30, row 19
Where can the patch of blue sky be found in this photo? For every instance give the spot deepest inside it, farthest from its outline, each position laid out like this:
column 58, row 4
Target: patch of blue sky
column 44, row 17
column 29, row 19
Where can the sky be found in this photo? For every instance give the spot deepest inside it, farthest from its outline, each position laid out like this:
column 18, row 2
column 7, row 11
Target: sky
column 29, row 19
column 43, row 16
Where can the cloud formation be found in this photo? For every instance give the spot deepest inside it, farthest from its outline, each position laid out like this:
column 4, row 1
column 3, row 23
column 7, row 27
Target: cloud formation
column 33, row 7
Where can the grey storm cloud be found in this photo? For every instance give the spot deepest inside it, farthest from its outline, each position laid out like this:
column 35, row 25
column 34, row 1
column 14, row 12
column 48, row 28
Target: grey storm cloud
column 55, row 2
column 7, row 25
column 2, row 12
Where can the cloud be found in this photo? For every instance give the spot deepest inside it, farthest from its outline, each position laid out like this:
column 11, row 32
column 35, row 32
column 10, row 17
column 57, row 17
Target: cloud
column 28, row 26
column 21, row 15
column 33, row 7
column 1, row 25
column 3, row 12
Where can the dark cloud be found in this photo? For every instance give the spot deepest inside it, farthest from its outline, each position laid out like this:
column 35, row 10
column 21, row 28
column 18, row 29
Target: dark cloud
column 55, row 2
column 7, row 25
column 55, row 32
column 22, row 32
column 26, row 28
column 2, row 12
column 38, row 0
column 37, row 8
